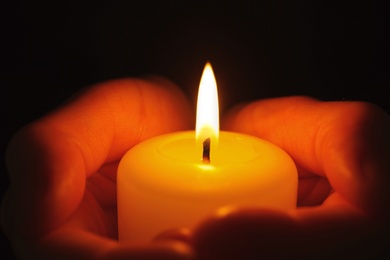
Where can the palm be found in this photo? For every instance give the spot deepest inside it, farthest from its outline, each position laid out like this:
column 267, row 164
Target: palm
column 313, row 190
column 97, row 212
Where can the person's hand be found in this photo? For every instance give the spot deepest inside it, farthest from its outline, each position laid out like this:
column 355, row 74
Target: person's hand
column 342, row 151
column 61, row 203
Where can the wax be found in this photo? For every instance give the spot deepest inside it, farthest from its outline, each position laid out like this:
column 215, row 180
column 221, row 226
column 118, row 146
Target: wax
column 163, row 183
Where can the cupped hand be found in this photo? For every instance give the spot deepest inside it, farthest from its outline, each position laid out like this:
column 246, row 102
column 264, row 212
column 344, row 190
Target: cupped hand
column 61, row 203
column 342, row 151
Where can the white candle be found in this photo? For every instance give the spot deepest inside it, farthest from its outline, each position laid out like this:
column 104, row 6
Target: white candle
column 166, row 182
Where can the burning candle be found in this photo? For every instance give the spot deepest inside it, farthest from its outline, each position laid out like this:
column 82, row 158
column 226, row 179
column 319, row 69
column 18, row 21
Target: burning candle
column 175, row 180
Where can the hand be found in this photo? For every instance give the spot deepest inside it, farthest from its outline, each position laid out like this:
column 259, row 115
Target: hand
column 342, row 151
column 62, row 199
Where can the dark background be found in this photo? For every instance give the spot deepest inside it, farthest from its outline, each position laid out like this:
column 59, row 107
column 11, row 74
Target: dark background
column 332, row 50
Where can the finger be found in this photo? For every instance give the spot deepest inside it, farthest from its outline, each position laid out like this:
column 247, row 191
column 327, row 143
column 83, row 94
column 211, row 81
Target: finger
column 87, row 235
column 334, row 231
column 348, row 142
column 49, row 160
column 77, row 244
column 181, row 234
column 157, row 251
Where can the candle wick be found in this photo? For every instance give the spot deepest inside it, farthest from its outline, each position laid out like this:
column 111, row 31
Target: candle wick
column 206, row 151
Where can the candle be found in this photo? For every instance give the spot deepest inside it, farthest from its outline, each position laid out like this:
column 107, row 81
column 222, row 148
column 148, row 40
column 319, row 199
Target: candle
column 176, row 180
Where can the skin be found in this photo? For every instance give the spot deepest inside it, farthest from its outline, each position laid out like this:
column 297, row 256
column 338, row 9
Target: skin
column 342, row 153
column 62, row 200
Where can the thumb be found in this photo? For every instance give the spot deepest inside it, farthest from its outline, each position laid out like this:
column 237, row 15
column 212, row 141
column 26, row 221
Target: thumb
column 334, row 231
column 244, row 234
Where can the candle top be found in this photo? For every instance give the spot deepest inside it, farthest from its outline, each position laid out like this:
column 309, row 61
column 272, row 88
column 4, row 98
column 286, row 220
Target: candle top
column 239, row 162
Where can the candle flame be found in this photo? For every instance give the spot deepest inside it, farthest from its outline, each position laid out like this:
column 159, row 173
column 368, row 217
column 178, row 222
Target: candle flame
column 207, row 112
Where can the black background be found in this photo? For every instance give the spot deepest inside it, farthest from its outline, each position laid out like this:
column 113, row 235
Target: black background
column 332, row 50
